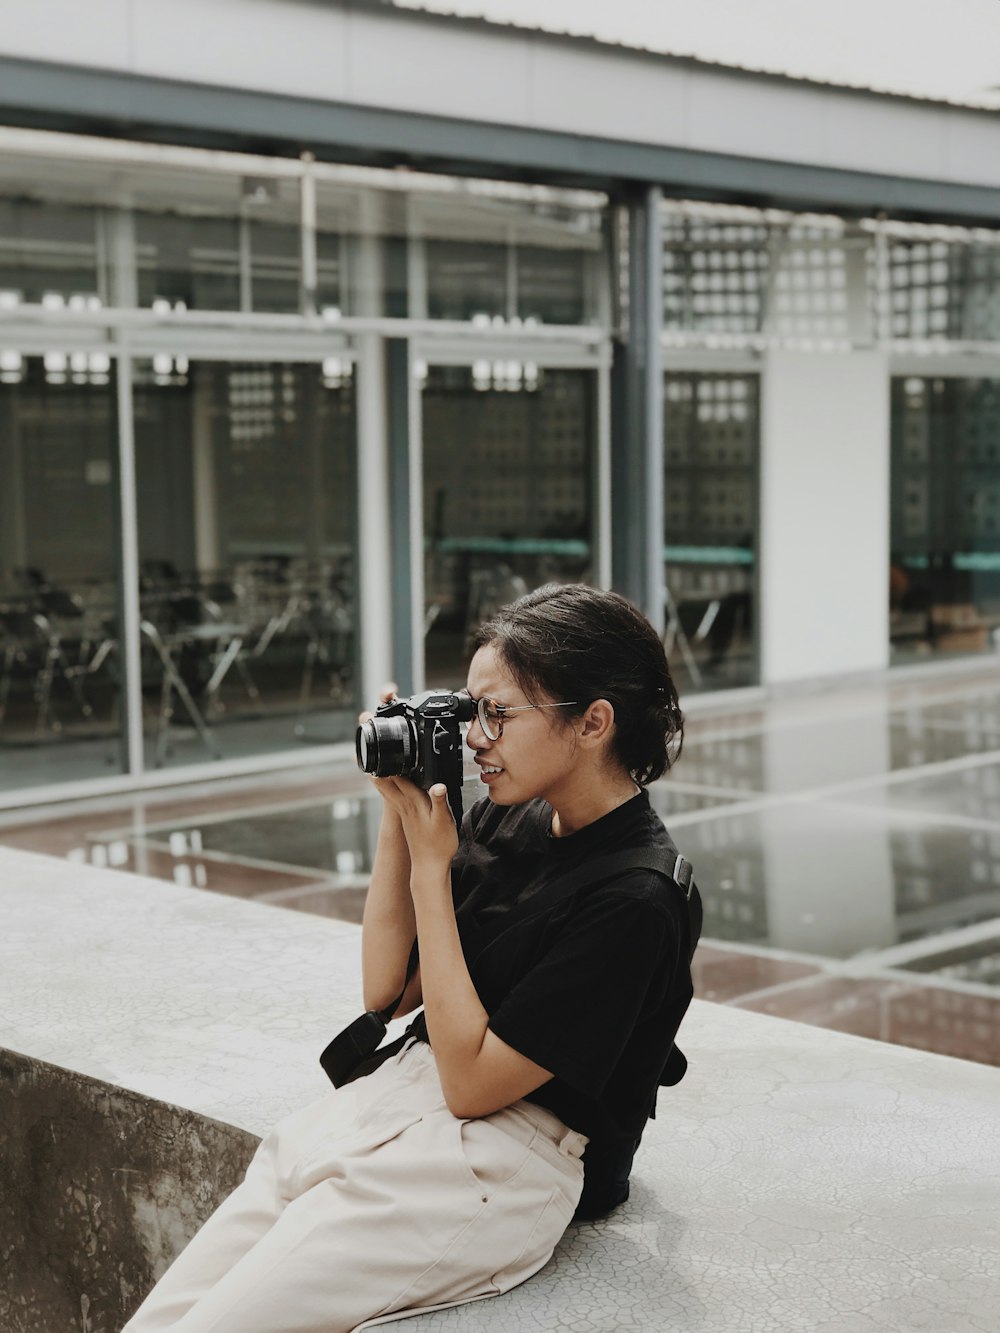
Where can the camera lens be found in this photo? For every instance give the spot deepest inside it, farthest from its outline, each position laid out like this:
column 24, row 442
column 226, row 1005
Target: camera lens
column 386, row 746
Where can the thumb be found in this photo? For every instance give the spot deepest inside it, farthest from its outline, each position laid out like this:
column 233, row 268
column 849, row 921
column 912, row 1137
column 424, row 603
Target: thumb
column 438, row 792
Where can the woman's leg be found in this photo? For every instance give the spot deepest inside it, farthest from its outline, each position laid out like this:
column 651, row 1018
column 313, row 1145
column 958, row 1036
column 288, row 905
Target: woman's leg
column 244, row 1217
column 410, row 1208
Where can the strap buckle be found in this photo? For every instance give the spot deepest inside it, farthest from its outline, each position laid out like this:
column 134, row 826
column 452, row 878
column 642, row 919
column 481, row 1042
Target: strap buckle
column 682, row 875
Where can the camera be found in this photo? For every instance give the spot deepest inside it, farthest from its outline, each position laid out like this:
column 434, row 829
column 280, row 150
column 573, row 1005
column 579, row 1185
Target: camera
column 419, row 738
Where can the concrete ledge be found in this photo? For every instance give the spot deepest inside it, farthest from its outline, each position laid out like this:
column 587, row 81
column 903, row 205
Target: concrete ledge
column 797, row 1179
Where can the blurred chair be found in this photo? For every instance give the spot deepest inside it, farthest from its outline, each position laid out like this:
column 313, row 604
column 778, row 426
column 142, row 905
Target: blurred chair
column 173, row 683
column 675, row 633
column 329, row 624
column 32, row 644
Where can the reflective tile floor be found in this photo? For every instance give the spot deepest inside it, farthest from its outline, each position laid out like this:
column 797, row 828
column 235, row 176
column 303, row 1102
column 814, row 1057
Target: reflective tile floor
column 847, row 846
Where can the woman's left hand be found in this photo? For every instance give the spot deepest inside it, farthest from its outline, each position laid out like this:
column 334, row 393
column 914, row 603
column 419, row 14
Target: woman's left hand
column 428, row 823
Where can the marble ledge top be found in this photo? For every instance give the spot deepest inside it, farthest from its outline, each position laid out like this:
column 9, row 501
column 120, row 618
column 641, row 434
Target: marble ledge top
column 222, row 1005
column 797, row 1178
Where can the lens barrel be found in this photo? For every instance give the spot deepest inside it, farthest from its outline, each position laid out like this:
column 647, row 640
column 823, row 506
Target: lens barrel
column 386, row 746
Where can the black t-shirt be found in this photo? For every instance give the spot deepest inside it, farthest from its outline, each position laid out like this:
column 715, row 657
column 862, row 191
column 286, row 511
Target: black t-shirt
column 592, row 988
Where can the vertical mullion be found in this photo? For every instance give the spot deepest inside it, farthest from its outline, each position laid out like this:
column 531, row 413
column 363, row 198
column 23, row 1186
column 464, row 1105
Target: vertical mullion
column 603, row 516
column 652, row 276
column 131, row 614
column 418, row 596
column 308, row 219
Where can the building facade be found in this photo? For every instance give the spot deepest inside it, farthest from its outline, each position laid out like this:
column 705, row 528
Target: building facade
column 315, row 348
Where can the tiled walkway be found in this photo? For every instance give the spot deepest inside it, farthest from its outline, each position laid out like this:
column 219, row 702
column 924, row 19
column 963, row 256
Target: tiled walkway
column 847, row 845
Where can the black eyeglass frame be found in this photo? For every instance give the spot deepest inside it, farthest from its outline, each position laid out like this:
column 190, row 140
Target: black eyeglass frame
column 494, row 724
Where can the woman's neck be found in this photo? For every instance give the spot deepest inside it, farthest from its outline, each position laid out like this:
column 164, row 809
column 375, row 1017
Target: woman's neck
column 576, row 810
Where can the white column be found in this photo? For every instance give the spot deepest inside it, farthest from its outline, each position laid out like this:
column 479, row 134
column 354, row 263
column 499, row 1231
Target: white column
column 374, row 612
column 310, row 270
column 824, row 524
column 374, row 554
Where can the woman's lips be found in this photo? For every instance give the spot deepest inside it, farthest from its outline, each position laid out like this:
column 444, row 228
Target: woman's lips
column 490, row 777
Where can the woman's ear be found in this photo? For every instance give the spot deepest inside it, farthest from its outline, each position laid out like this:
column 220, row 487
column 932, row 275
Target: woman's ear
column 597, row 723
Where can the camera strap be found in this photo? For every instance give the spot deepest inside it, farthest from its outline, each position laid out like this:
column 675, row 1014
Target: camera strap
column 354, row 1051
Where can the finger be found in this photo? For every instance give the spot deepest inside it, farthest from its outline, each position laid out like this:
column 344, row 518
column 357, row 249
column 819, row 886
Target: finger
column 401, row 793
column 385, row 695
column 439, row 801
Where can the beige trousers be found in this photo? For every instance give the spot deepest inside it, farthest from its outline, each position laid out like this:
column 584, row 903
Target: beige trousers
column 373, row 1204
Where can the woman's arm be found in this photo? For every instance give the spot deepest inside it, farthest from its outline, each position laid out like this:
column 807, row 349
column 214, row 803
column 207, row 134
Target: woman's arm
column 389, row 926
column 479, row 1072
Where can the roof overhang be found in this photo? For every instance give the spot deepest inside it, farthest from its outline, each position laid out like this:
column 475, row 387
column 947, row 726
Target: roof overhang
column 51, row 96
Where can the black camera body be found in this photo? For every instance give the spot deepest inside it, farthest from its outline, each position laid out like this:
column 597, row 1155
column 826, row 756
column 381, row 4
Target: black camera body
column 419, row 738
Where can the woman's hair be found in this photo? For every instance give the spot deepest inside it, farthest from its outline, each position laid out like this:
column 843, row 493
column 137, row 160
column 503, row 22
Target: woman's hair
column 570, row 641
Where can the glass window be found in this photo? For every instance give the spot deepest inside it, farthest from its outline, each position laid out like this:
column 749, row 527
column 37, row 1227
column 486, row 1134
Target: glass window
column 537, row 256
column 552, row 284
column 945, row 288
column 218, row 242
column 809, row 277
column 711, row 444
column 361, row 249
column 48, row 253
column 508, row 456
column 188, row 262
column 246, row 500
column 944, row 566
column 714, row 274
column 60, row 682
column 465, row 279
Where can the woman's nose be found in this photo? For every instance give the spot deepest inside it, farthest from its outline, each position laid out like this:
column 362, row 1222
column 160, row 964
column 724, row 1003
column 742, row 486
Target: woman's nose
column 475, row 737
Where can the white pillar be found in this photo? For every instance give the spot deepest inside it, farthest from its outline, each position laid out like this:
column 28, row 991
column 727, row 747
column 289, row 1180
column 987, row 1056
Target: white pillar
column 374, row 550
column 824, row 526
column 374, row 582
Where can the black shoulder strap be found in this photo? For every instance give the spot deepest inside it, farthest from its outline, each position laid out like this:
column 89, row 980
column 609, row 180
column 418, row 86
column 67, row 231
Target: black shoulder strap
column 665, row 861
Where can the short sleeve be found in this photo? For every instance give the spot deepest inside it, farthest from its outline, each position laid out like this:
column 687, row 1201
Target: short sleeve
column 574, row 1011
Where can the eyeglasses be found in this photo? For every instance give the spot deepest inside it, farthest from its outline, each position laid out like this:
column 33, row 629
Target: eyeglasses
column 491, row 714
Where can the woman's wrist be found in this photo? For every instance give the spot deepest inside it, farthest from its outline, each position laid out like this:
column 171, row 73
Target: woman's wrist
column 429, row 874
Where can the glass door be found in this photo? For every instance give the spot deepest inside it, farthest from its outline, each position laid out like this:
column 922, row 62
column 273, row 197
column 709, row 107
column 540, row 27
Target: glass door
column 60, row 664
column 509, row 489
column 246, row 501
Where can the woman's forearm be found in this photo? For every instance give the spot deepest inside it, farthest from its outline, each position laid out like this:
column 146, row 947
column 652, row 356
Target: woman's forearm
column 389, row 926
column 456, row 1020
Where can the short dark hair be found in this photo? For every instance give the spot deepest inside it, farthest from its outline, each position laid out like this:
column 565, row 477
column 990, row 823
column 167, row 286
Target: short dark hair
column 570, row 641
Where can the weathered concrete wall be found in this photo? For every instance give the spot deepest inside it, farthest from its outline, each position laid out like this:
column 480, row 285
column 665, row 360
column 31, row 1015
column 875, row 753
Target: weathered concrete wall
column 100, row 1189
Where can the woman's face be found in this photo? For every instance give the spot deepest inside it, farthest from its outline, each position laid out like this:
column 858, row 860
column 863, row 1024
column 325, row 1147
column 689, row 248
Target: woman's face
column 535, row 754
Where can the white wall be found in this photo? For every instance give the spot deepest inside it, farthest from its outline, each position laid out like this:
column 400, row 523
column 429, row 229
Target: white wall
column 414, row 63
column 824, row 522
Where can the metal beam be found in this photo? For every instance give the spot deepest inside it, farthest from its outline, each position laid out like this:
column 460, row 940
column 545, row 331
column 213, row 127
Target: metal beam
column 60, row 97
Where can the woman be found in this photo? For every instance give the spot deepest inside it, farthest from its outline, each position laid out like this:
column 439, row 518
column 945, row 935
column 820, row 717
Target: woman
column 450, row 1172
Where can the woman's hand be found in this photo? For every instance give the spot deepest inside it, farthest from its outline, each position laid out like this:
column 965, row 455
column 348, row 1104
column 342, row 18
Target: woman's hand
column 428, row 824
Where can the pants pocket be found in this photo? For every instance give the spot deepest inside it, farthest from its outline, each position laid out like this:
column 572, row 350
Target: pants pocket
column 490, row 1158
